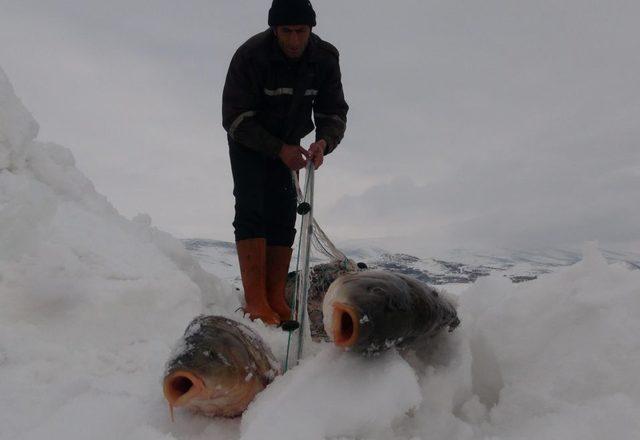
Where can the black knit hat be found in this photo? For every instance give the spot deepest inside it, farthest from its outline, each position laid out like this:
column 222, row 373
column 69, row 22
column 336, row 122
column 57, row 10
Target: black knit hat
column 291, row 12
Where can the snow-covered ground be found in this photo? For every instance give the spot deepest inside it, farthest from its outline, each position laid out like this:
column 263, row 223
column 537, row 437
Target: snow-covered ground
column 91, row 304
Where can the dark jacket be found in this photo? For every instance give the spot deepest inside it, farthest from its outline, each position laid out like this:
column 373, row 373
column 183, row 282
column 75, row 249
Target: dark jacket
column 262, row 84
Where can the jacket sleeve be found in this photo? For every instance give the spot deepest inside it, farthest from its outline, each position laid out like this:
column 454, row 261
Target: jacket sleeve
column 240, row 106
column 330, row 109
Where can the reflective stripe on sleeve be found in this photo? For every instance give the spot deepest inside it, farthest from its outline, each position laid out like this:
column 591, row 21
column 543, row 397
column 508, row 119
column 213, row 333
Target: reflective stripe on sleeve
column 239, row 120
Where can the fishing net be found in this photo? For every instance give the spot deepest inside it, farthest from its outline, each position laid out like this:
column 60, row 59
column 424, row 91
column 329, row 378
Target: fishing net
column 320, row 242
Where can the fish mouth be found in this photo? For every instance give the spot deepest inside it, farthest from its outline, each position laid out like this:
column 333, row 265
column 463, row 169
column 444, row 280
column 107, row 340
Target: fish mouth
column 181, row 386
column 346, row 325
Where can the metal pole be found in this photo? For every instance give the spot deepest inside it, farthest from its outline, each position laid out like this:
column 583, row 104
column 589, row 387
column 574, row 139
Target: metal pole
column 295, row 347
column 307, row 231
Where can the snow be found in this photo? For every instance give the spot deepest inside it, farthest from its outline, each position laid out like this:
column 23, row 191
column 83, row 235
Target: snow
column 91, row 304
column 330, row 395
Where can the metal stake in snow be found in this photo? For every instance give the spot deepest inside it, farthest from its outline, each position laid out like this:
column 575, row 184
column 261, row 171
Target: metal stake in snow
column 299, row 321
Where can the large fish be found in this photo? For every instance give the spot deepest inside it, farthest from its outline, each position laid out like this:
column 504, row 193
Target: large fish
column 218, row 367
column 371, row 311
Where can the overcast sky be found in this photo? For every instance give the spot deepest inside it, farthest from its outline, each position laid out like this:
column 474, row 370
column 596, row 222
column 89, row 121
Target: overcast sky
column 492, row 123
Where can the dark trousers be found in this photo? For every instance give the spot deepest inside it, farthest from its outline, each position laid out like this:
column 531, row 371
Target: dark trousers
column 265, row 197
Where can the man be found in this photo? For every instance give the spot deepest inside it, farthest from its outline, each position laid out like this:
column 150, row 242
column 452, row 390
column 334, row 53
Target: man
column 274, row 82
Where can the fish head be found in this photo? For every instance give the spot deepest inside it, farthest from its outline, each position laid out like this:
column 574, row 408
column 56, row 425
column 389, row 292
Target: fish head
column 218, row 371
column 357, row 309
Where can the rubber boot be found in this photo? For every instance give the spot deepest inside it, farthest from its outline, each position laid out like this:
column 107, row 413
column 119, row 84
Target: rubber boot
column 252, row 255
column 278, row 258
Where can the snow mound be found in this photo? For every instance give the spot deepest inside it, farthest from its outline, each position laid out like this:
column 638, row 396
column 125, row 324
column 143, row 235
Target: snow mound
column 17, row 126
column 566, row 348
column 89, row 300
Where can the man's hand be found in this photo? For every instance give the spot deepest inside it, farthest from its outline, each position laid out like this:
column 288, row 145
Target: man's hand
column 294, row 156
column 316, row 152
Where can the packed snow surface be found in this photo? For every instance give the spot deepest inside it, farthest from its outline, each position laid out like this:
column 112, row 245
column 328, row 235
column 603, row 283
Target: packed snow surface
column 91, row 304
